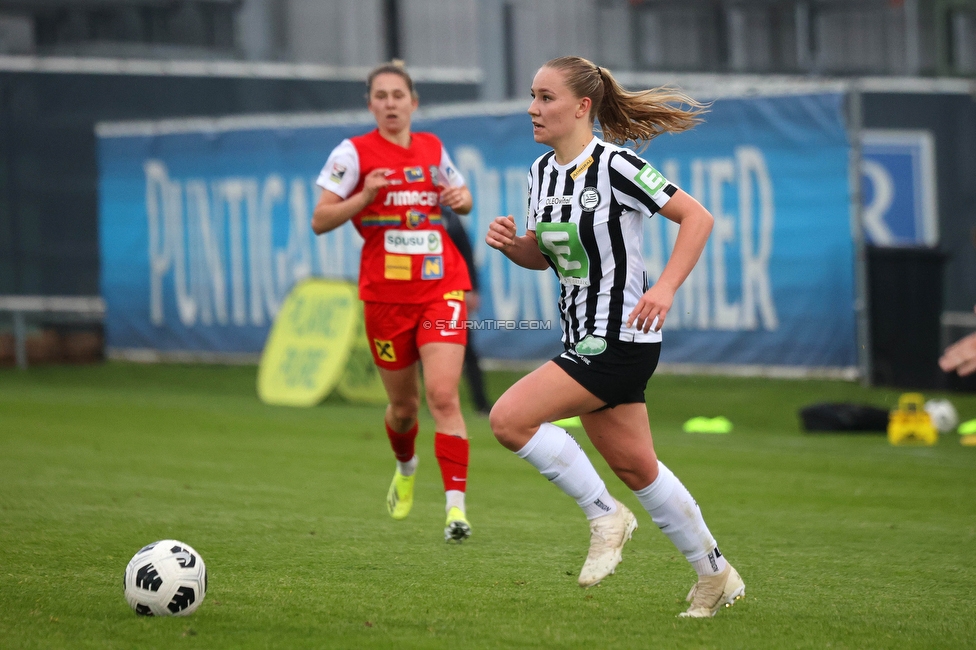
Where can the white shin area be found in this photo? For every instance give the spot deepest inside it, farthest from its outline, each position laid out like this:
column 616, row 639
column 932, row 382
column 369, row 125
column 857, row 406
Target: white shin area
column 560, row 459
column 678, row 516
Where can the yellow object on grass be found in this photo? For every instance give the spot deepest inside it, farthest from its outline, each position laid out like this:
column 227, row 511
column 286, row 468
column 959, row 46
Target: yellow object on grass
column 967, row 433
column 309, row 343
column 701, row 424
column 569, row 422
column 910, row 424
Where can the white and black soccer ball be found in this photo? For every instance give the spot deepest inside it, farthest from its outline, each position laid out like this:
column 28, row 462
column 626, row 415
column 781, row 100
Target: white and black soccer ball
column 943, row 414
column 165, row 578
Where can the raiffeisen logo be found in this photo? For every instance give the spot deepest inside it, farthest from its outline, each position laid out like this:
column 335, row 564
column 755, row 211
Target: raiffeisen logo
column 406, row 197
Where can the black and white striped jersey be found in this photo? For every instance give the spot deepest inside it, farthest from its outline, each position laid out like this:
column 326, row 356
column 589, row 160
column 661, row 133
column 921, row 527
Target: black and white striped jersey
column 587, row 217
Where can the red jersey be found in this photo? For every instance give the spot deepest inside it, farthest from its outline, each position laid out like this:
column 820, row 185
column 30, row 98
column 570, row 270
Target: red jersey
column 407, row 255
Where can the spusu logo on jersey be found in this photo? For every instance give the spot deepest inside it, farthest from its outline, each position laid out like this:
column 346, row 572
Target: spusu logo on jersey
column 408, row 197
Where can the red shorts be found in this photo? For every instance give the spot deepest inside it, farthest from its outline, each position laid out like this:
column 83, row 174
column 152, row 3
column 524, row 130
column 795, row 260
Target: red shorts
column 398, row 331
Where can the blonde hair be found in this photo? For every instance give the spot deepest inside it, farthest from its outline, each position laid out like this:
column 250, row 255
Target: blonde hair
column 397, row 67
column 626, row 116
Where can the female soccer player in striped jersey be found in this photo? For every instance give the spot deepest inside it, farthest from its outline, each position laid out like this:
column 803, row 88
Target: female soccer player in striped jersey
column 390, row 183
column 587, row 199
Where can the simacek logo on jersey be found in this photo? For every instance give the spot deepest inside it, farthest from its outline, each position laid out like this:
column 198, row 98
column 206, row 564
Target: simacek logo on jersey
column 414, row 174
column 407, row 197
column 415, row 218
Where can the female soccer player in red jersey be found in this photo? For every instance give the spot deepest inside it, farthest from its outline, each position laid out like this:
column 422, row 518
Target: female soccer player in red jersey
column 389, row 183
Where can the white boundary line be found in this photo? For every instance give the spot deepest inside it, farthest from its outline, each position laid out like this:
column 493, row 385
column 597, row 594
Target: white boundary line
column 292, row 120
column 845, row 373
column 145, row 355
column 220, row 68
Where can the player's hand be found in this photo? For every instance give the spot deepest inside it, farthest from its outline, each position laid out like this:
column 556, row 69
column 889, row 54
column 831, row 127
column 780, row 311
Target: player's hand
column 453, row 197
column 654, row 304
column 960, row 356
column 375, row 181
column 501, row 233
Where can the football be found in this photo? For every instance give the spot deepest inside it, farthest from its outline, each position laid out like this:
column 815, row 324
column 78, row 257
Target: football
column 165, row 578
column 943, row 414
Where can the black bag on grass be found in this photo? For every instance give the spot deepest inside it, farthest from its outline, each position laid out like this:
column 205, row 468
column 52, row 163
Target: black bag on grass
column 832, row 416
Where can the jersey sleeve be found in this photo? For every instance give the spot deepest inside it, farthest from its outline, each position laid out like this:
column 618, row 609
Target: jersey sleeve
column 530, row 216
column 341, row 172
column 637, row 185
column 448, row 171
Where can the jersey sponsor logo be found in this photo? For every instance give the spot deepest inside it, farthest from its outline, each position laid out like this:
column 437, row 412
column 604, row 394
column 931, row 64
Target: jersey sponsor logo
column 589, row 199
column 415, row 218
column 397, row 267
column 557, row 200
column 582, row 167
column 413, row 242
column 384, row 350
column 560, row 242
column 407, row 197
column 650, row 179
column 338, row 171
column 432, row 268
column 413, row 174
column 591, row 346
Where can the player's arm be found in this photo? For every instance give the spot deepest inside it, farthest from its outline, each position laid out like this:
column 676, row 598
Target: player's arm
column 524, row 250
column 332, row 210
column 454, row 193
column 694, row 225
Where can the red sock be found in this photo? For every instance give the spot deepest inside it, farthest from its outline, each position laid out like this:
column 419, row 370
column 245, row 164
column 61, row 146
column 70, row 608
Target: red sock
column 402, row 443
column 452, row 456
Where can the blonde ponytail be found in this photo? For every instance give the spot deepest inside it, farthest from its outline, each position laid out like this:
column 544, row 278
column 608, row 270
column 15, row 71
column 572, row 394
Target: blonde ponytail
column 626, row 116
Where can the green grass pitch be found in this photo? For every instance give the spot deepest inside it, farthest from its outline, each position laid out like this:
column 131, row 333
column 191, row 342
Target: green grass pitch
column 843, row 540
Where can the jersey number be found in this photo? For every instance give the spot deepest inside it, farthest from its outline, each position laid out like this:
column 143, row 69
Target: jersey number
column 650, row 179
column 561, row 243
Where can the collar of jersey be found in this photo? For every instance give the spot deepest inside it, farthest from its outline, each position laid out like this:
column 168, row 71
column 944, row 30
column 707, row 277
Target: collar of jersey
column 586, row 153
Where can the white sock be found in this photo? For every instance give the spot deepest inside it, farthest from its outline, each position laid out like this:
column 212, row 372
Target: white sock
column 678, row 516
column 409, row 467
column 455, row 499
column 560, row 459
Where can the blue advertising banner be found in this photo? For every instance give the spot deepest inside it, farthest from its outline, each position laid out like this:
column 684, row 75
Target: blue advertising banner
column 205, row 227
column 899, row 187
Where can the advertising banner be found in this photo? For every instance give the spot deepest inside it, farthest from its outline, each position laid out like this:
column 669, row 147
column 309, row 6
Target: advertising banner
column 204, row 229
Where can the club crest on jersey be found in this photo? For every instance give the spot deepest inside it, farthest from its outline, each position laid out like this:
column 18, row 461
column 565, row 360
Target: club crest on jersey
column 338, row 171
column 415, row 218
column 589, row 199
column 413, row 174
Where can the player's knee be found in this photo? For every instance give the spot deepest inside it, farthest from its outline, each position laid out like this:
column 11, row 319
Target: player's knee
column 506, row 427
column 404, row 410
column 443, row 399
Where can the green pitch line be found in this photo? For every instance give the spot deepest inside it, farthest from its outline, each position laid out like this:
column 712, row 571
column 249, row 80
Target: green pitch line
column 843, row 540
